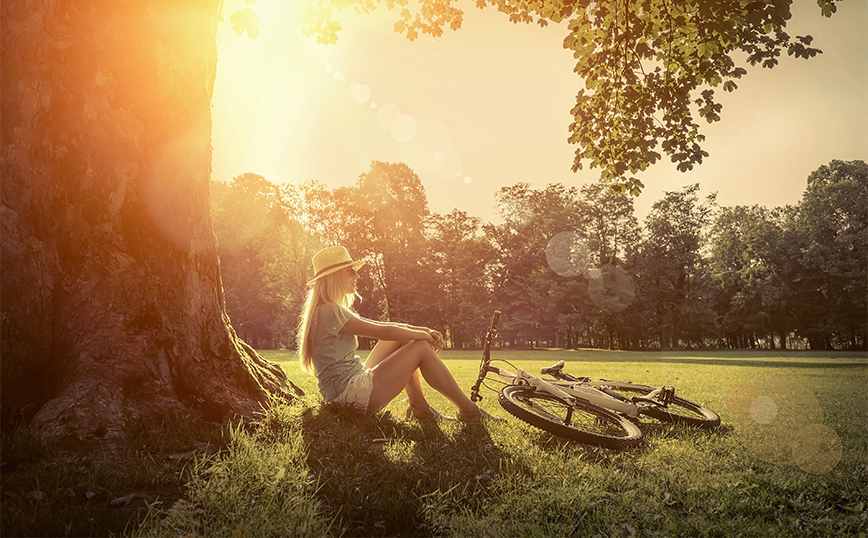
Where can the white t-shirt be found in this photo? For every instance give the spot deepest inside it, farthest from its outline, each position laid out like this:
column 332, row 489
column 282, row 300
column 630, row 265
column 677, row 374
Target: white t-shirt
column 334, row 354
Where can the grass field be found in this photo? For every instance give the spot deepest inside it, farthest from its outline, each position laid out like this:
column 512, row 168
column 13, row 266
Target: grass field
column 791, row 459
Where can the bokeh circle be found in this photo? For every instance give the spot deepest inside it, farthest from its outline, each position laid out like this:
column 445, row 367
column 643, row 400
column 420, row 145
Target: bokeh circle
column 817, row 449
column 567, row 254
column 611, row 289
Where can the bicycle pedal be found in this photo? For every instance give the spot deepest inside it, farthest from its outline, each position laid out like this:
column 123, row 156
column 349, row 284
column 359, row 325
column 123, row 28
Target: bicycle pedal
column 667, row 395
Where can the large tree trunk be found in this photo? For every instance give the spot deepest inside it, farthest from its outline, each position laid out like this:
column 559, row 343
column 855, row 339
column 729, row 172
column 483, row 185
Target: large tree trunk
column 112, row 305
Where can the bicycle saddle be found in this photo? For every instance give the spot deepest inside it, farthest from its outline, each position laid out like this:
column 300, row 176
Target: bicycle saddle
column 557, row 367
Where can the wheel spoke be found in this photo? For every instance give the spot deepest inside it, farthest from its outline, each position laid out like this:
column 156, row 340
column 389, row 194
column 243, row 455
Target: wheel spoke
column 677, row 410
column 577, row 420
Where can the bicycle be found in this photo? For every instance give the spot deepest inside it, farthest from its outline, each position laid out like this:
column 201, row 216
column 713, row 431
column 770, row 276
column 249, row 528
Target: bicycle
column 600, row 412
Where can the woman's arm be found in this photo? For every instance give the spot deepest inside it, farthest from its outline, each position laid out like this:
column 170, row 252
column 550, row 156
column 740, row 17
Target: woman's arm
column 386, row 331
column 437, row 344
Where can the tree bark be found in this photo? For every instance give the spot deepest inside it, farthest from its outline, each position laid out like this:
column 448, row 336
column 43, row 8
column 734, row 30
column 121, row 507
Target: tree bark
column 112, row 304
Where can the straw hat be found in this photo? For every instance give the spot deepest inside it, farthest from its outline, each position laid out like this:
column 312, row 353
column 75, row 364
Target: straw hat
column 330, row 260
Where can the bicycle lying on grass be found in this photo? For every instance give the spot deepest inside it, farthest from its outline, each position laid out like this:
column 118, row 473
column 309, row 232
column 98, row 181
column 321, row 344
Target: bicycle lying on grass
column 596, row 412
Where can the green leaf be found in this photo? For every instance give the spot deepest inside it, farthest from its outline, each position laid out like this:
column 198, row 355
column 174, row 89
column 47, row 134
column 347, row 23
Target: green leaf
column 828, row 7
column 246, row 21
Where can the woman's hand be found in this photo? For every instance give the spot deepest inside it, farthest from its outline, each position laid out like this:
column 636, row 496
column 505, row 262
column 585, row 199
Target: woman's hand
column 437, row 344
column 436, row 340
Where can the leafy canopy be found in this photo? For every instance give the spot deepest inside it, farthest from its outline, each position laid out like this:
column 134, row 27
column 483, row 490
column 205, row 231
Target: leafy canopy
column 650, row 67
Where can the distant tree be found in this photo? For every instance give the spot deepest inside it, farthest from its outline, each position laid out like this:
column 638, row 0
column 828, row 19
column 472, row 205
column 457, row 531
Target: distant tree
column 461, row 258
column 831, row 231
column 576, row 313
column 609, row 223
column 523, row 280
column 751, row 266
column 264, row 259
column 393, row 210
column 330, row 215
column 672, row 273
column 607, row 219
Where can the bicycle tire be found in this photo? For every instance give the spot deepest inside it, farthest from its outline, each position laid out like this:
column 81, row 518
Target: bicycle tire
column 595, row 425
column 679, row 411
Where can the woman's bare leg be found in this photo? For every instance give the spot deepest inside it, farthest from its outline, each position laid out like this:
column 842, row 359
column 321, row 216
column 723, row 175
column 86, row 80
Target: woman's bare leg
column 393, row 374
column 382, row 350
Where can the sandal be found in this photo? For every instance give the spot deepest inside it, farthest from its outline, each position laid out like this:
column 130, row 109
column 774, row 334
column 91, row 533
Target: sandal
column 477, row 418
column 430, row 414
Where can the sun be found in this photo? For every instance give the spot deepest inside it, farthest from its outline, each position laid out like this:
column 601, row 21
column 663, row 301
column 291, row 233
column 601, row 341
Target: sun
column 268, row 94
column 290, row 109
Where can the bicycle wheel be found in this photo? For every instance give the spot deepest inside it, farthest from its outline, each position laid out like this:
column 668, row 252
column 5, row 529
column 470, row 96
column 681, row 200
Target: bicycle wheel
column 582, row 421
column 679, row 410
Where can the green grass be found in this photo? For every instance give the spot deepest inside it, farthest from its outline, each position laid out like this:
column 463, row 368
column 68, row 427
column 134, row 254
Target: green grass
column 313, row 469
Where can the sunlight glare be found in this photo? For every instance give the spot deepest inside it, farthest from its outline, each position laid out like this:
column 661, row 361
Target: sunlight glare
column 450, row 166
column 361, row 92
column 387, row 114
column 294, row 102
column 763, row 410
column 817, row 449
column 404, row 128
column 426, row 151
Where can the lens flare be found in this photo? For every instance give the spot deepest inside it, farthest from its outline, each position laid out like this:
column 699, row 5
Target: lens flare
column 817, row 449
column 567, row 254
column 404, row 128
column 429, row 146
column 611, row 289
column 361, row 92
column 450, row 166
column 763, row 410
column 387, row 114
column 781, row 422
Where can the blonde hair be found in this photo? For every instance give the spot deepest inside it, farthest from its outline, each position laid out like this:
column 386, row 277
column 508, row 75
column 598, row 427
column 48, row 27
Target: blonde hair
column 328, row 290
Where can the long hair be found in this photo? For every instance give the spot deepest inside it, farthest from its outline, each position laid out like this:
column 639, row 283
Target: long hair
column 328, row 290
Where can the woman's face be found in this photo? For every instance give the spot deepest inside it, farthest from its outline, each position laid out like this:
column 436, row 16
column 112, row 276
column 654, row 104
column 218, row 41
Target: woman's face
column 351, row 280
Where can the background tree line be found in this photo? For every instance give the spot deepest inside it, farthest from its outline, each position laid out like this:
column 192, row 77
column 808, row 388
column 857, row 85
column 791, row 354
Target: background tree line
column 568, row 267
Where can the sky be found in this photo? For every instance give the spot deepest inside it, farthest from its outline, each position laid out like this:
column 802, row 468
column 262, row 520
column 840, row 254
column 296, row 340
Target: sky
column 489, row 106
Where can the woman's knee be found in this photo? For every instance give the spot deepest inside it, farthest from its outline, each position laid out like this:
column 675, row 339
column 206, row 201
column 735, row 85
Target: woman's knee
column 422, row 347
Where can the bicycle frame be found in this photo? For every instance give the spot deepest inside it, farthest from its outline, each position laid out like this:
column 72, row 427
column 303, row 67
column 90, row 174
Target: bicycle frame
column 595, row 392
column 569, row 391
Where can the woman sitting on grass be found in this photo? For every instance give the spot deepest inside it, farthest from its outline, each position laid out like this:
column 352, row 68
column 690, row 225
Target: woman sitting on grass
column 327, row 342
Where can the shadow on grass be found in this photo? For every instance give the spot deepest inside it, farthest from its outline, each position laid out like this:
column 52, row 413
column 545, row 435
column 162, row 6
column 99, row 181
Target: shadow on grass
column 653, row 433
column 50, row 489
column 377, row 475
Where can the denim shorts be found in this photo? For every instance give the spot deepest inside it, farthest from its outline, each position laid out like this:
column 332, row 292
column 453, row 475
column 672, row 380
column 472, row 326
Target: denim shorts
column 358, row 391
